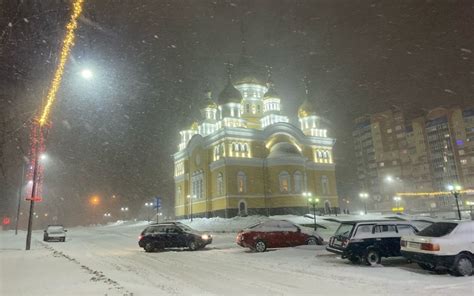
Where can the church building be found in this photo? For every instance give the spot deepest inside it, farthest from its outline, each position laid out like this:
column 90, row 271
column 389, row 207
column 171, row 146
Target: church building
column 244, row 157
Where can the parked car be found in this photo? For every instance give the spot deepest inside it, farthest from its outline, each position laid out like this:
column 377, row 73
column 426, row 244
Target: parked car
column 443, row 245
column 369, row 241
column 276, row 234
column 54, row 232
column 172, row 235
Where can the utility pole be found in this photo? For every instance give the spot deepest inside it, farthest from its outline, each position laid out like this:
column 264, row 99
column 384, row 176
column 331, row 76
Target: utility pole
column 33, row 191
column 19, row 197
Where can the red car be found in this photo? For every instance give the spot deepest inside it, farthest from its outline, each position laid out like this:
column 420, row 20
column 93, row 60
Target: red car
column 276, row 234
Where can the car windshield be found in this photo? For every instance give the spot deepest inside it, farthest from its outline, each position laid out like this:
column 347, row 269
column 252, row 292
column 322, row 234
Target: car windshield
column 344, row 229
column 438, row 229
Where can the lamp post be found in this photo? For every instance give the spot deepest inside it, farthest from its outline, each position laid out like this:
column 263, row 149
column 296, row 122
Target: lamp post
column 124, row 210
column 307, row 195
column 148, row 205
column 455, row 191
column 314, row 202
column 364, row 196
column 397, row 200
column 191, row 204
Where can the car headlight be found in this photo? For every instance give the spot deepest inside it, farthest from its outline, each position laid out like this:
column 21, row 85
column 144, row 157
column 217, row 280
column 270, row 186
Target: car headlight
column 205, row 237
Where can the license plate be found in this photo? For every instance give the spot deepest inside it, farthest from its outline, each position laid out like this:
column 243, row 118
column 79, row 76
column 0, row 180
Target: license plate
column 414, row 245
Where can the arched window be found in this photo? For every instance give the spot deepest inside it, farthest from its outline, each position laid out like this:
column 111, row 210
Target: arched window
column 197, row 185
column 298, row 181
column 325, row 185
column 241, row 182
column 242, row 208
column 284, row 181
column 220, row 184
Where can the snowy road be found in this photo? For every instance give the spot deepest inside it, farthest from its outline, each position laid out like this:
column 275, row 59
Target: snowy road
column 107, row 261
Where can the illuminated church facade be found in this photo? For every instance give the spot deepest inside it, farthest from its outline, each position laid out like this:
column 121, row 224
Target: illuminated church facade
column 244, row 157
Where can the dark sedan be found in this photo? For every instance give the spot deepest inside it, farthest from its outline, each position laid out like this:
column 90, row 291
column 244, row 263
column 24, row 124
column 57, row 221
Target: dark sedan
column 172, row 235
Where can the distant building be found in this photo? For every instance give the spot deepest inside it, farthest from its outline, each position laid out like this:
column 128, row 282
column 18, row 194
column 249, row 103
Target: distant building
column 244, row 157
column 422, row 153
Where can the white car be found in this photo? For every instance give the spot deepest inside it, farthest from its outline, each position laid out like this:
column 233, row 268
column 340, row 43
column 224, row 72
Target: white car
column 55, row 232
column 442, row 245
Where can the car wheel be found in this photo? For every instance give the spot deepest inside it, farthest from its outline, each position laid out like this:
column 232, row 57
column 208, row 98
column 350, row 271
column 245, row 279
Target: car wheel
column 192, row 246
column 425, row 266
column 372, row 257
column 149, row 247
column 312, row 241
column 260, row 246
column 462, row 265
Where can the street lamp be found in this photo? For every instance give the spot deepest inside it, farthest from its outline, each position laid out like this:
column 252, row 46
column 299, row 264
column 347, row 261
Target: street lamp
column 364, row 196
column 307, row 195
column 314, row 202
column 455, row 191
column 124, row 210
column 191, row 204
column 148, row 205
column 389, row 179
column 87, row 74
column 397, row 200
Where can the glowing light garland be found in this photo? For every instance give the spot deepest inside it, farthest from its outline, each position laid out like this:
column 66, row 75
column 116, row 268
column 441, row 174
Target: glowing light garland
column 68, row 42
column 436, row 193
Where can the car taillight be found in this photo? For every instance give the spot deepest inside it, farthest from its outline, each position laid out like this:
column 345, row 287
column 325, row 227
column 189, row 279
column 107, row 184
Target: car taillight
column 403, row 243
column 429, row 247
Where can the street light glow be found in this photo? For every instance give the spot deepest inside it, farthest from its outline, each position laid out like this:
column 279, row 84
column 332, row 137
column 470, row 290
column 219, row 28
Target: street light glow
column 389, row 179
column 86, row 74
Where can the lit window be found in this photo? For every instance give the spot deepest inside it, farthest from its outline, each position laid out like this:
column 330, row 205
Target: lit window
column 197, row 181
column 298, row 181
column 241, row 182
column 284, row 180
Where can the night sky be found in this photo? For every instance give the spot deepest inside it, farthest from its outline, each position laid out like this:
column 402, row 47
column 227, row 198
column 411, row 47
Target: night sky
column 152, row 61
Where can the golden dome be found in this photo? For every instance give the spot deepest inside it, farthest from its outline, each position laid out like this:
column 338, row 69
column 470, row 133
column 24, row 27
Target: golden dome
column 229, row 95
column 208, row 101
column 194, row 126
column 306, row 109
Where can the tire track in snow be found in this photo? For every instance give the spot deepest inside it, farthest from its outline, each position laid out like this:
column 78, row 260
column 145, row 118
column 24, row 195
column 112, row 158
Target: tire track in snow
column 97, row 276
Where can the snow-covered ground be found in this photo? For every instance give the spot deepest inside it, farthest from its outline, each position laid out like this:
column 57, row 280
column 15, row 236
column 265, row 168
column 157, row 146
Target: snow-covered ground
column 106, row 260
